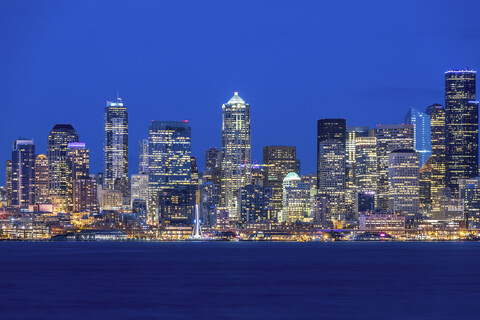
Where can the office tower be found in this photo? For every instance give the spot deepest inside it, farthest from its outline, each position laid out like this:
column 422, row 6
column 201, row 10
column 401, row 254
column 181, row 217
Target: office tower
column 41, row 180
column 111, row 199
column 57, row 145
column 366, row 163
column 470, row 194
column 236, row 152
column 194, row 171
column 213, row 166
column 278, row 161
column 255, row 203
column 352, row 134
column 85, row 195
column 403, row 182
column 115, row 143
column 422, row 142
column 176, row 205
column 389, row 138
column 296, row 199
column 169, row 164
column 257, row 175
column 209, row 200
column 8, row 181
column 425, row 185
column 143, row 156
column 331, row 161
column 78, row 163
column 438, row 157
column 461, row 116
column 23, row 172
column 321, row 211
column 139, row 187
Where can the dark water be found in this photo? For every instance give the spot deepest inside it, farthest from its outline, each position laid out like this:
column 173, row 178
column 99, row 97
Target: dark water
column 242, row 280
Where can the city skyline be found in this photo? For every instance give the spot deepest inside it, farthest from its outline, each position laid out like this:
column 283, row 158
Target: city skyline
column 155, row 86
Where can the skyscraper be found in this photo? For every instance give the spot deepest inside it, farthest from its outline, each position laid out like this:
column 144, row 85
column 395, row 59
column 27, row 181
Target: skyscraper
column 115, row 144
column 352, row 134
column 331, row 162
column 421, row 132
column 438, row 157
column 389, row 138
column 169, row 158
column 8, row 181
column 78, row 162
column 143, row 156
column 278, row 161
column 236, row 152
column 23, row 172
column 403, row 180
column 296, row 199
column 57, row 145
column 41, row 179
column 85, row 195
column 255, row 203
column 213, row 166
column 461, row 116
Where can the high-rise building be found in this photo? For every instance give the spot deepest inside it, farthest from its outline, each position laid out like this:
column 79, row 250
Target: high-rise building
column 461, row 116
column 8, row 181
column 278, row 161
column 403, row 181
column 421, row 132
column 85, row 195
column 143, row 156
column 438, row 157
column 194, row 171
column 41, row 180
column 255, row 203
column 209, row 200
column 169, row 158
column 425, row 184
column 352, row 134
column 470, row 194
column 213, row 166
column 296, row 199
column 23, row 172
column 366, row 163
column 389, row 138
column 57, row 145
column 236, row 152
column 115, row 143
column 176, row 205
column 78, row 162
column 330, row 129
column 139, row 187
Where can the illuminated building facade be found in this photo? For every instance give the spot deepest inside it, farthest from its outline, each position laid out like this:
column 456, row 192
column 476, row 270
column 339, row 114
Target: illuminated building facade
column 366, row 163
column 111, row 199
column 389, row 138
column 421, row 132
column 57, row 145
column 470, row 194
column 23, row 173
column 321, row 210
column 176, row 205
column 236, row 152
column 425, row 184
column 41, row 180
column 78, row 162
column 209, row 201
column 403, row 182
column 296, row 199
column 278, row 161
column 85, row 195
column 115, row 143
column 143, row 156
column 213, row 166
column 461, row 117
column 255, row 203
column 376, row 220
column 139, row 187
column 438, row 157
column 352, row 134
column 169, row 158
column 8, row 181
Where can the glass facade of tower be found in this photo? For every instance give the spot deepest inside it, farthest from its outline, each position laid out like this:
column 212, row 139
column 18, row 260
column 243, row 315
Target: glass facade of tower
column 78, row 162
column 8, row 181
column 330, row 129
column 115, row 143
column 403, row 180
column 278, row 161
column 296, row 199
column 169, row 158
column 236, row 152
column 352, row 134
column 57, row 145
column 389, row 138
column 23, row 172
column 461, row 116
column 421, row 132
column 41, row 180
column 143, row 156
column 255, row 203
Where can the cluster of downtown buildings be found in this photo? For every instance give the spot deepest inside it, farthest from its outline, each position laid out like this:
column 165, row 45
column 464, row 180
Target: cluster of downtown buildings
column 422, row 171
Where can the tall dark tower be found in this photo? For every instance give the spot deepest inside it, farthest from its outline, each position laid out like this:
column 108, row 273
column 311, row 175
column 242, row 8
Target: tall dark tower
column 461, row 116
column 115, row 144
column 23, row 172
column 57, row 145
column 330, row 129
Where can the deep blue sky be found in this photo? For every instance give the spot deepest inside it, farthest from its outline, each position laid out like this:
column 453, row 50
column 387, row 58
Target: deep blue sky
column 293, row 61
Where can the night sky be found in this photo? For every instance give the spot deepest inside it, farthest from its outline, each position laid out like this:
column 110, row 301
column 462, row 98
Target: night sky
column 293, row 61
